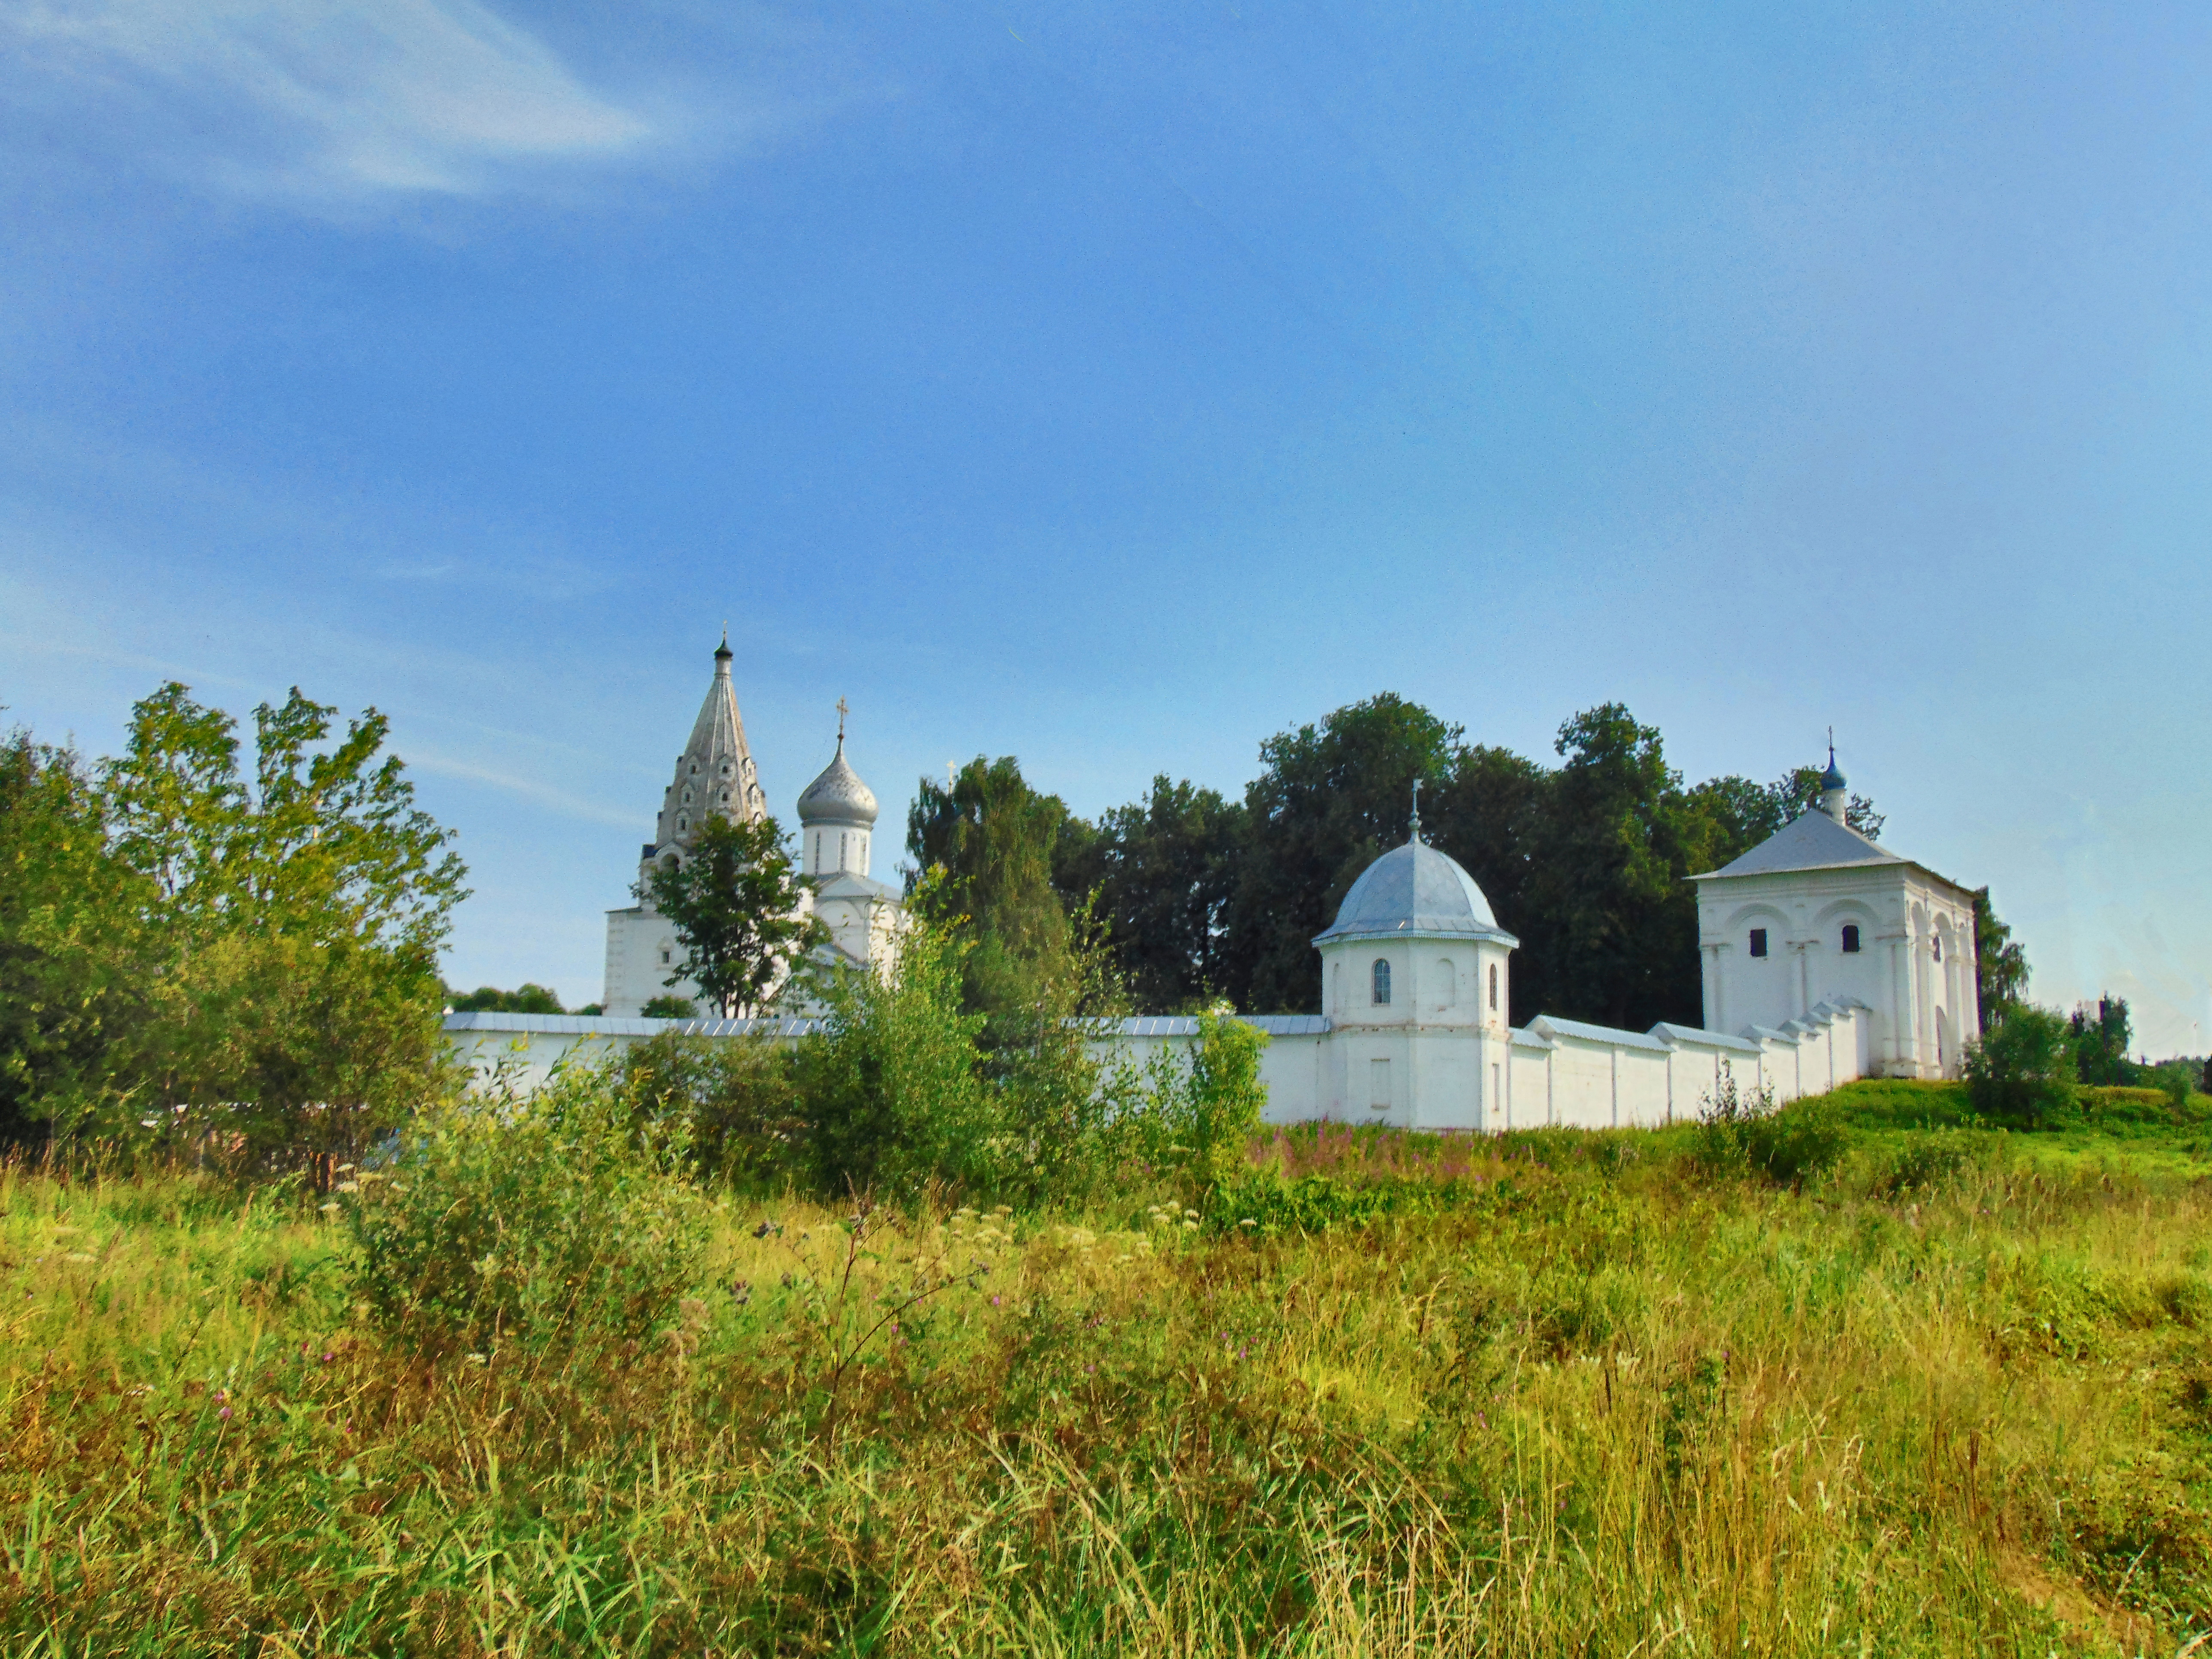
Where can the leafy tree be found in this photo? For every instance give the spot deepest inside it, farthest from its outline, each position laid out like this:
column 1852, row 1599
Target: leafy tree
column 2100, row 1039
column 1999, row 964
column 2022, row 1072
column 532, row 998
column 297, row 914
column 1330, row 799
column 1616, row 920
column 74, row 962
column 994, row 841
column 735, row 900
column 670, row 1007
column 1164, row 870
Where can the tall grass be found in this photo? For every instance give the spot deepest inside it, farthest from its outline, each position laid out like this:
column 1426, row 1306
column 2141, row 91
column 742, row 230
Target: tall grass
column 1598, row 1401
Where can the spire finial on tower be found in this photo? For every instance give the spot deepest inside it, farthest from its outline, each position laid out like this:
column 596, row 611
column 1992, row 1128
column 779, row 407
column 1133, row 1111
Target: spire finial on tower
column 1416, row 810
column 1835, row 793
column 841, row 712
column 722, row 652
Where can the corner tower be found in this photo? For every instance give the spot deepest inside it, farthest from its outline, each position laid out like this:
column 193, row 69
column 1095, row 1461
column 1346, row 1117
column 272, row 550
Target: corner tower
column 1415, row 986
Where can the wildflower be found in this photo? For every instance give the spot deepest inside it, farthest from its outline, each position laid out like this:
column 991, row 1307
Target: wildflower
column 330, row 1208
column 1247, row 1222
column 1190, row 1226
column 741, row 1292
column 224, row 1413
column 994, row 1301
column 1190, row 1215
column 348, row 1187
column 478, row 1359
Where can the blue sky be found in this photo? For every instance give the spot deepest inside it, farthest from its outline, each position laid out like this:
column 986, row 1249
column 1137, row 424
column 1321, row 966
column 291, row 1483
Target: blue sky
column 1114, row 387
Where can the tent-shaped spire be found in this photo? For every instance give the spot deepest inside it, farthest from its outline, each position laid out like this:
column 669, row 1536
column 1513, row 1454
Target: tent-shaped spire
column 714, row 774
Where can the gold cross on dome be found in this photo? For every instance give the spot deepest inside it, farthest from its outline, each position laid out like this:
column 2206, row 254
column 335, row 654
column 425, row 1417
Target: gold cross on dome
column 841, row 712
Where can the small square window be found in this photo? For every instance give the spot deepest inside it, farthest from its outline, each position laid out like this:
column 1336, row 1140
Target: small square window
column 1850, row 938
column 1759, row 941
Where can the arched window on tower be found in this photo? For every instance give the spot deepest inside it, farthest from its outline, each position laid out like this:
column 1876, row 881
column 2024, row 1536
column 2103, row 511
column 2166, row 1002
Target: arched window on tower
column 1381, row 982
column 1493, row 988
column 1939, row 947
column 1850, row 938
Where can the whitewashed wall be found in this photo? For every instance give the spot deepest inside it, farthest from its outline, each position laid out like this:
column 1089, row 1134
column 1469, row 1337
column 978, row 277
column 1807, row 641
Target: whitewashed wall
column 1560, row 1072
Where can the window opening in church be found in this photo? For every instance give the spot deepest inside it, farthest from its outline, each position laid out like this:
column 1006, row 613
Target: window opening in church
column 1378, row 1084
column 1939, row 947
column 1381, row 982
column 1759, row 941
column 664, row 958
column 1850, row 938
column 1449, row 973
column 683, row 823
column 1493, row 988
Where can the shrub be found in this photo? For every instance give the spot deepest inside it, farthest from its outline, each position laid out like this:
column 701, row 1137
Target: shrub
column 2177, row 1080
column 1058, row 1108
column 526, row 1222
column 1196, row 1118
column 1745, row 1133
column 730, row 1104
column 2023, row 1071
column 1937, row 1158
column 888, row 1092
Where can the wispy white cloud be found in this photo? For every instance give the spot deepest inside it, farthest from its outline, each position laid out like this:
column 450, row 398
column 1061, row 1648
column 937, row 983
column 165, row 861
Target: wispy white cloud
column 558, row 800
column 340, row 97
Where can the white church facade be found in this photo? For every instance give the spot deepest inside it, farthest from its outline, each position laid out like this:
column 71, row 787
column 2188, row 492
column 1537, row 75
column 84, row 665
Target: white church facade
column 715, row 774
column 1825, row 958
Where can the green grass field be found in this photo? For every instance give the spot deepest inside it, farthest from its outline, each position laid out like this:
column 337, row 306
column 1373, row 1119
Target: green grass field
column 1547, row 1394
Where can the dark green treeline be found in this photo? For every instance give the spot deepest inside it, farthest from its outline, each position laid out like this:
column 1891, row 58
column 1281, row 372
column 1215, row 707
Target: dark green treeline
column 1196, row 896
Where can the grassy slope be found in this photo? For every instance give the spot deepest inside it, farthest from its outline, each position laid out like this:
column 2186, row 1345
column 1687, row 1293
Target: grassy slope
column 1588, row 1401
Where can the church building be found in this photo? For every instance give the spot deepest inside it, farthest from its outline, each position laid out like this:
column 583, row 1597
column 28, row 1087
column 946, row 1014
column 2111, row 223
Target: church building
column 715, row 774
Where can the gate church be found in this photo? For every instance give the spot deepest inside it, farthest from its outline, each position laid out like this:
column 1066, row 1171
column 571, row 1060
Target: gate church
column 1825, row 958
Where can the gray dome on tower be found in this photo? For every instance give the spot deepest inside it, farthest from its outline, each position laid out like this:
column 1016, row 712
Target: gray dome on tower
column 838, row 796
column 1412, row 890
